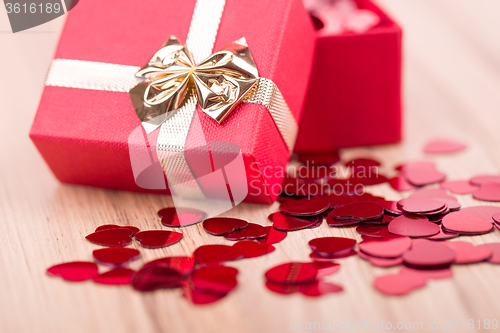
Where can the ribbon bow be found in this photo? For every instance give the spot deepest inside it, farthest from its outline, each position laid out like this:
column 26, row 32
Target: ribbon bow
column 171, row 76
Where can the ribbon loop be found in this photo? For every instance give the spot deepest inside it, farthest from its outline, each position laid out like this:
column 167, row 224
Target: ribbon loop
column 220, row 82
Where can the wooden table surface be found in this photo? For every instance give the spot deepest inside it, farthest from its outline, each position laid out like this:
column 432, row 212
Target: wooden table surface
column 451, row 88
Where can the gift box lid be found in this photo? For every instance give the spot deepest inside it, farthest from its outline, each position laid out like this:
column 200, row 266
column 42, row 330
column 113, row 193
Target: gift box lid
column 82, row 133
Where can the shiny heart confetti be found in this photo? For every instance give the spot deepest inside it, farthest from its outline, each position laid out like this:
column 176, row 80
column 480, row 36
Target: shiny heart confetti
column 114, row 226
column 180, row 216
column 216, row 254
column 117, row 276
column 360, row 211
column 387, row 247
column 115, row 256
column 427, row 253
column 283, row 222
column 413, row 226
column 332, row 246
column 214, row 279
column 153, row 277
column 459, row 186
column 272, row 236
column 399, row 284
column 182, row 264
column 252, row 249
column 75, row 271
column 157, row 238
column 252, row 231
column 305, row 207
column 221, row 226
column 467, row 253
column 111, row 237
column 466, row 223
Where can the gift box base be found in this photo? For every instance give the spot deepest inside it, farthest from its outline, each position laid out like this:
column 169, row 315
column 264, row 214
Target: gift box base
column 354, row 96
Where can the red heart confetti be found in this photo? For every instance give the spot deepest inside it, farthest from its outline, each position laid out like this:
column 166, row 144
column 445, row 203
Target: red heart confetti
column 459, row 186
column 488, row 192
column 153, row 277
column 332, row 246
column 339, row 223
column 216, row 254
column 115, row 256
column 361, row 211
column 180, row 216
column 285, row 222
column 214, row 279
column 467, row 253
column 253, row 231
column 220, row 226
column 182, row 264
column 466, row 223
column 388, row 247
column 378, row 231
column 117, row 276
column 427, row 253
column 114, row 226
column 157, row 238
column 292, row 273
column 75, row 271
column 319, row 288
column 199, row 297
column 413, row 226
column 273, row 236
column 391, row 207
column 444, row 146
column 111, row 237
column 318, row 257
column 339, row 200
column 399, row 284
column 252, row 249
column 305, row 207
column 434, row 273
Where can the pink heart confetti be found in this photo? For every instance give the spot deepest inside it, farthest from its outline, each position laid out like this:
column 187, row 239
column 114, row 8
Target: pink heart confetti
column 467, row 253
column 413, row 226
column 399, row 284
column 483, row 212
column 422, row 206
column 434, row 273
column 399, row 183
column 466, row 223
column 495, row 249
column 381, row 262
column 427, row 253
column 444, row 146
column 388, row 247
column 488, row 192
column 458, row 186
column 485, row 179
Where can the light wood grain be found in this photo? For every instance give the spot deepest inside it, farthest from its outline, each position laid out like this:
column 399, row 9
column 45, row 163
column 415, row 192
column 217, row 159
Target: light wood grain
column 452, row 84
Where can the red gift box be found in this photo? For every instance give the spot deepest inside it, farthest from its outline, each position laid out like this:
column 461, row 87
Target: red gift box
column 82, row 134
column 354, row 96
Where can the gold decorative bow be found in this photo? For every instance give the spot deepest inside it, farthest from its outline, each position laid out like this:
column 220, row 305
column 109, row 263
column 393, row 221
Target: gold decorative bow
column 171, row 76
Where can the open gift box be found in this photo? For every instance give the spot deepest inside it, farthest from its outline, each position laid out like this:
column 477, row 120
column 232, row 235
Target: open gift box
column 354, row 96
column 83, row 130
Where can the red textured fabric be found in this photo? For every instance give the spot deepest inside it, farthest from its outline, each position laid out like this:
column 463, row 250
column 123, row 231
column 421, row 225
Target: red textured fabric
column 354, row 96
column 82, row 134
